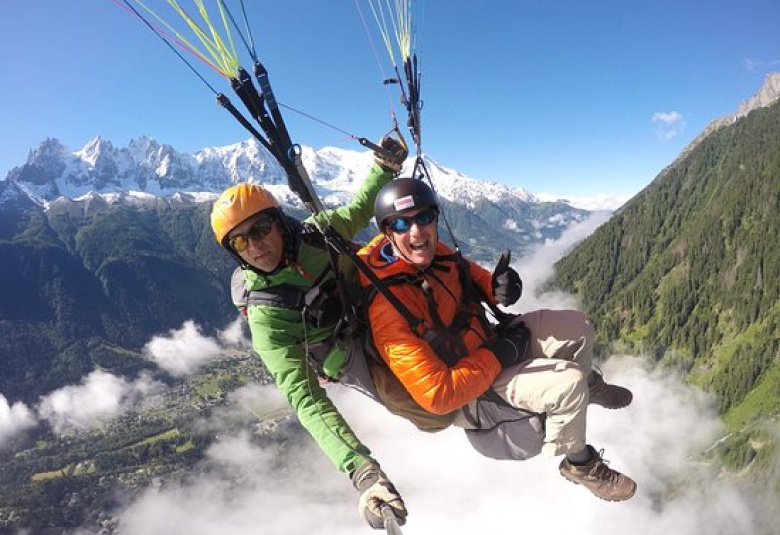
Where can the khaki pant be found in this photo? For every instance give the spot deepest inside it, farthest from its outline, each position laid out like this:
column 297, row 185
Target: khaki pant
column 555, row 380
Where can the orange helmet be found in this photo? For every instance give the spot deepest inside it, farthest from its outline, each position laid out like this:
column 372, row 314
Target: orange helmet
column 237, row 204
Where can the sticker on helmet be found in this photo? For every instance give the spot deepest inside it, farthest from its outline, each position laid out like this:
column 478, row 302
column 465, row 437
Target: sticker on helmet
column 404, row 203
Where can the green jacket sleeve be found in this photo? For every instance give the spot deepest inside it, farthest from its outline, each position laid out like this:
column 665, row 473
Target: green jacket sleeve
column 277, row 336
column 357, row 213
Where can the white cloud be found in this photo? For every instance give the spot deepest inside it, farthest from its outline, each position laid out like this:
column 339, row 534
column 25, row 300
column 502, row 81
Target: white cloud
column 669, row 124
column 667, row 117
column 249, row 490
column 234, row 336
column 536, row 267
column 556, row 220
column 249, row 405
column 183, row 351
column 99, row 396
column 14, row 419
column 510, row 224
column 263, row 401
column 594, row 203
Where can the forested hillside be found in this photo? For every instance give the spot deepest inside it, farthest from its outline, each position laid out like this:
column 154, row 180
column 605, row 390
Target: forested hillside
column 689, row 270
column 86, row 285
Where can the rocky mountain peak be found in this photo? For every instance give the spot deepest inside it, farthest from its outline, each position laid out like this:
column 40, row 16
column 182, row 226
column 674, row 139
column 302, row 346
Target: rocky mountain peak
column 766, row 96
column 149, row 167
column 49, row 148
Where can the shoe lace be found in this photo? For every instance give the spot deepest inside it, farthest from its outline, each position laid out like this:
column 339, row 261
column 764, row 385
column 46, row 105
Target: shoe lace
column 603, row 472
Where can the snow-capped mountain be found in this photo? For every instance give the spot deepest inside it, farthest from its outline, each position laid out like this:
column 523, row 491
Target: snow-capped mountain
column 487, row 216
column 148, row 167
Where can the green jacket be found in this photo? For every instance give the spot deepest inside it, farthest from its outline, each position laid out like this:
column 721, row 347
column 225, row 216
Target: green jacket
column 279, row 335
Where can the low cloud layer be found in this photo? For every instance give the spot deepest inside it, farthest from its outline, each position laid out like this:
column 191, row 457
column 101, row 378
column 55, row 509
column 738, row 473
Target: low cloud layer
column 14, row 419
column 449, row 488
column 182, row 351
column 99, row 396
column 537, row 266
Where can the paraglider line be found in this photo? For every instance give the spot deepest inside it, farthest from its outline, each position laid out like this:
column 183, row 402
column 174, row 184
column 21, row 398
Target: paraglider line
column 165, row 38
column 315, row 119
column 376, row 54
column 249, row 31
column 250, row 49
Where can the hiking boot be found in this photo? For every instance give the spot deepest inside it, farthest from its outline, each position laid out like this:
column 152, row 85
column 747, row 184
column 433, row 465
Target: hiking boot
column 608, row 396
column 600, row 479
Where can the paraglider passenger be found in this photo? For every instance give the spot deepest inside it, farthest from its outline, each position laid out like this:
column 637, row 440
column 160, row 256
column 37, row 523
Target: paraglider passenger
column 518, row 389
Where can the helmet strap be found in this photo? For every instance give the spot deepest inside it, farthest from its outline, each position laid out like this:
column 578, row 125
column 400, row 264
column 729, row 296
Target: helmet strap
column 290, row 240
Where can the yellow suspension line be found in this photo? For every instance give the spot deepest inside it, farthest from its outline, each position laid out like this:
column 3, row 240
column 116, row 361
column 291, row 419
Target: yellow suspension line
column 403, row 31
column 215, row 46
column 229, row 56
column 381, row 22
column 183, row 40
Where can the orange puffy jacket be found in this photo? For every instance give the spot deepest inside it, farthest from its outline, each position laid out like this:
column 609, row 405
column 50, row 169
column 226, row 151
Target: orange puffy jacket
column 435, row 386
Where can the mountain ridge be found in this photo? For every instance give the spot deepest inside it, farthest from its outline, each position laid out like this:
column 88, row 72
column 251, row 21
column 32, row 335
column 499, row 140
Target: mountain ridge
column 768, row 94
column 149, row 167
column 687, row 270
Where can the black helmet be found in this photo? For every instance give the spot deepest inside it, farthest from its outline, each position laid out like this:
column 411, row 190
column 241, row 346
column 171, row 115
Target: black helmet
column 400, row 196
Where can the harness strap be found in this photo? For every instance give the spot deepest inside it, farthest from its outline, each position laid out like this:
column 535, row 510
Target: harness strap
column 433, row 310
column 283, row 296
column 382, row 286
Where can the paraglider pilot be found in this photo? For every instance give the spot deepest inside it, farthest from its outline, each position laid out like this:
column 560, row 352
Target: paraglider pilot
column 284, row 261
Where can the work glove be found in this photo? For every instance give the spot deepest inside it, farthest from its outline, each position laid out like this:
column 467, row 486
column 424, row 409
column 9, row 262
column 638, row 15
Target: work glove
column 507, row 285
column 377, row 491
column 511, row 347
column 394, row 157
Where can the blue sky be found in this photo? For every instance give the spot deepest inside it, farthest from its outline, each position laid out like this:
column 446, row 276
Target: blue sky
column 571, row 98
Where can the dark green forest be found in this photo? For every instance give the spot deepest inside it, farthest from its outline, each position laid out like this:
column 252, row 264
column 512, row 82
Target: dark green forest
column 85, row 285
column 688, row 271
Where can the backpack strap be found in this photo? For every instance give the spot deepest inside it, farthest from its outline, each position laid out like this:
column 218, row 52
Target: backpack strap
column 283, row 296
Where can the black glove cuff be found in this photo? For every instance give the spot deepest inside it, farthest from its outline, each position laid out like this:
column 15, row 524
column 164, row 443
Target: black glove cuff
column 510, row 348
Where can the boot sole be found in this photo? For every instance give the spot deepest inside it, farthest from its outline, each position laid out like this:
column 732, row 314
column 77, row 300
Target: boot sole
column 621, row 499
column 611, row 407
